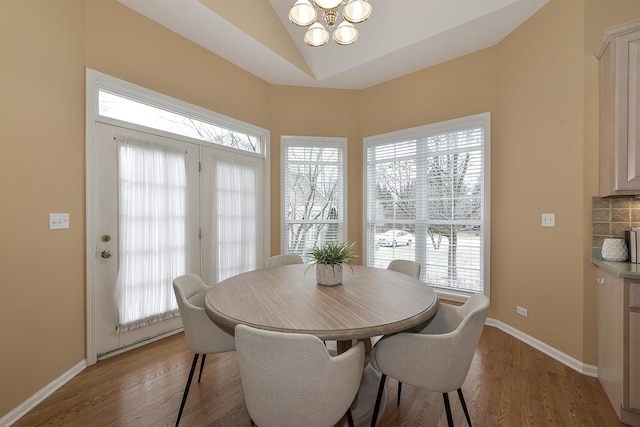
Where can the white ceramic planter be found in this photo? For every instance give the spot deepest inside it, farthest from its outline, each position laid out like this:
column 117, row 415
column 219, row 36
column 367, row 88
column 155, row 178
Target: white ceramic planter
column 329, row 275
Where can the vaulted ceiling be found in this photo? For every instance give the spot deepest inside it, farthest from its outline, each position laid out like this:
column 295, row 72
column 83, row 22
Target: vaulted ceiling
column 400, row 37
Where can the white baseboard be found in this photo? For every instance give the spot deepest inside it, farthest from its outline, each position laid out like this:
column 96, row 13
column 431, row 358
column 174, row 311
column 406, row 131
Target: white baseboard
column 565, row 359
column 41, row 395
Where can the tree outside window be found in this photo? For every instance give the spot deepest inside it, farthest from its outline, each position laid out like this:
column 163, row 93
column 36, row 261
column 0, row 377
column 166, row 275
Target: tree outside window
column 313, row 193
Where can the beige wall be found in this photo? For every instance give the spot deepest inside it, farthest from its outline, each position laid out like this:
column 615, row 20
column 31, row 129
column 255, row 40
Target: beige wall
column 317, row 112
column 41, row 170
column 45, row 48
column 124, row 44
column 540, row 85
column 457, row 88
column 537, row 168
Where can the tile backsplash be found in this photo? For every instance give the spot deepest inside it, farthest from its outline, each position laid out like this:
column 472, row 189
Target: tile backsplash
column 611, row 217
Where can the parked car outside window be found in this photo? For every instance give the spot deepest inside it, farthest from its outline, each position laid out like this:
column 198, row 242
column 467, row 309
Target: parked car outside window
column 395, row 237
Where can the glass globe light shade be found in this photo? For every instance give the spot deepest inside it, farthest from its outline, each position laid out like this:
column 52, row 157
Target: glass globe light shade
column 345, row 34
column 302, row 13
column 316, row 35
column 357, row 11
column 328, row 4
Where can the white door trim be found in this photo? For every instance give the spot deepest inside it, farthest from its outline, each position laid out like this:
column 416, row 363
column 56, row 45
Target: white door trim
column 90, row 249
column 96, row 80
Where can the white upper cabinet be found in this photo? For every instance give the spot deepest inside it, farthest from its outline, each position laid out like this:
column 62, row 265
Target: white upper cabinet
column 619, row 53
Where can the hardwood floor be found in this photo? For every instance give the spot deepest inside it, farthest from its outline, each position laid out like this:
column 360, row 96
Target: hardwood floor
column 509, row 384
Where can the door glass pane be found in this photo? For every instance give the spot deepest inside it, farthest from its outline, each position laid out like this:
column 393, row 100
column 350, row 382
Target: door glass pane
column 152, row 221
column 236, row 218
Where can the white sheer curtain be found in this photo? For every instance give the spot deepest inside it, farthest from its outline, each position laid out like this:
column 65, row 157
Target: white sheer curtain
column 152, row 220
column 236, row 215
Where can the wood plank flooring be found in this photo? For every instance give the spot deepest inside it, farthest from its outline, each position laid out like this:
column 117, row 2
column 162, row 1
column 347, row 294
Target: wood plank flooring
column 509, row 384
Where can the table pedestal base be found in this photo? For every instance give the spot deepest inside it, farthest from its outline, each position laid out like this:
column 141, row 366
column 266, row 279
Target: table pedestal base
column 362, row 407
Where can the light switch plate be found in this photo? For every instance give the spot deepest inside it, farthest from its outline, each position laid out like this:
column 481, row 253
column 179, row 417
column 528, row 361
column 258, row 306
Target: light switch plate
column 58, row 221
column 548, row 220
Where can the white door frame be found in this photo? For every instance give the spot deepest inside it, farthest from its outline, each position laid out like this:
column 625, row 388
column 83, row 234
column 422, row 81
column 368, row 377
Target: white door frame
column 94, row 81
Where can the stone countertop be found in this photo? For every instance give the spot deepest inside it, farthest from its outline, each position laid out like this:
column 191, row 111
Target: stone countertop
column 626, row 270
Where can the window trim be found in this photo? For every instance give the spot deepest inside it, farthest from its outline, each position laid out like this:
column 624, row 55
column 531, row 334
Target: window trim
column 311, row 140
column 482, row 119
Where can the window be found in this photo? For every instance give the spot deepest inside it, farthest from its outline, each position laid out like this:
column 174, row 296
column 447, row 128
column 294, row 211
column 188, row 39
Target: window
column 313, row 192
column 428, row 200
column 120, row 107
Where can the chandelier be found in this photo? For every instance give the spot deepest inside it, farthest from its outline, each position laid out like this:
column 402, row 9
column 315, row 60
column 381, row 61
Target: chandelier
column 307, row 12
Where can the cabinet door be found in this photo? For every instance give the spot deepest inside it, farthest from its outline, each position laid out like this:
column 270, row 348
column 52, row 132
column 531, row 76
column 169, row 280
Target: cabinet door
column 610, row 337
column 630, row 65
column 619, row 109
column 634, row 357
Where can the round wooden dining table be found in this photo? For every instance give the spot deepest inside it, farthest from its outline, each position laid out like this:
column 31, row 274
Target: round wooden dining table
column 369, row 302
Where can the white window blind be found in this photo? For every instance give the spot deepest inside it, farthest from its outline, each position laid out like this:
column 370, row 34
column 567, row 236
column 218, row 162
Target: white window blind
column 313, row 193
column 426, row 201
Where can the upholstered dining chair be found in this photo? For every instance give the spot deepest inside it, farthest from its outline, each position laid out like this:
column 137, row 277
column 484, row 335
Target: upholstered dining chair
column 405, row 266
column 203, row 335
column 438, row 357
column 286, row 259
column 290, row 379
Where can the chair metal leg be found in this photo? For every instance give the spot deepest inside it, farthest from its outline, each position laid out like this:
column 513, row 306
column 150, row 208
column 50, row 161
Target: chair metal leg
column 204, row 356
column 447, row 408
column 464, row 406
column 376, row 408
column 349, row 417
column 399, row 391
column 186, row 389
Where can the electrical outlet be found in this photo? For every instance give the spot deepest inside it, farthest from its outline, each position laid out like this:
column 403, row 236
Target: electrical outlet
column 521, row 311
column 548, row 220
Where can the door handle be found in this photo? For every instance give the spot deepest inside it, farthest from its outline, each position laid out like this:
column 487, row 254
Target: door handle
column 105, row 254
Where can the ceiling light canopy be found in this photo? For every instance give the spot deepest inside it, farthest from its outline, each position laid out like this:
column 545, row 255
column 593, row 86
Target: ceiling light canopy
column 306, row 12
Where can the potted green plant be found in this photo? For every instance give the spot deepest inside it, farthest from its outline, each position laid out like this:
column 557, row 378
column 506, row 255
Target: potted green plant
column 329, row 259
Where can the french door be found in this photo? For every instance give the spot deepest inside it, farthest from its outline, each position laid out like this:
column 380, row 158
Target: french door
column 146, row 233
column 164, row 207
column 232, row 201
column 171, row 188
